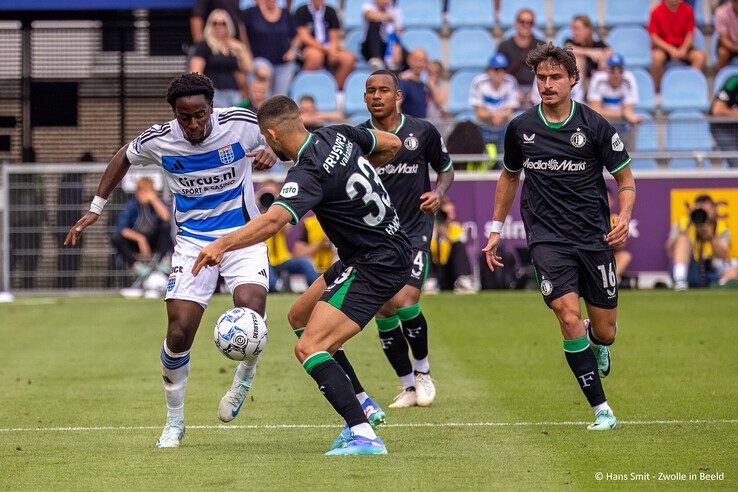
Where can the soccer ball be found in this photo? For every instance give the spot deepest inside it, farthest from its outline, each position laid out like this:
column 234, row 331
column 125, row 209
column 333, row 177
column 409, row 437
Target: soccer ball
column 240, row 333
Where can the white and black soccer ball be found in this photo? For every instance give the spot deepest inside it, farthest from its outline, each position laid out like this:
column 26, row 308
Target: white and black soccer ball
column 240, row 333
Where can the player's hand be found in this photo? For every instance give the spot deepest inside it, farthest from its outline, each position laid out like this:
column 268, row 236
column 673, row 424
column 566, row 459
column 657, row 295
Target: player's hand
column 430, row 202
column 490, row 252
column 619, row 233
column 75, row 232
column 263, row 158
column 210, row 255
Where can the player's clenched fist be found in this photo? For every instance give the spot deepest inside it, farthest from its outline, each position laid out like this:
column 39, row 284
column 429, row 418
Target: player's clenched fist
column 75, row 232
column 210, row 255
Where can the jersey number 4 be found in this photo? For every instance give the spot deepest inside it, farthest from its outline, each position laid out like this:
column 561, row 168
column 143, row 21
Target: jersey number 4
column 369, row 194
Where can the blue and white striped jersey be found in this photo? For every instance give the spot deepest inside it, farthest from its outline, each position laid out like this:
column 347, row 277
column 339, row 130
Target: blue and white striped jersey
column 211, row 181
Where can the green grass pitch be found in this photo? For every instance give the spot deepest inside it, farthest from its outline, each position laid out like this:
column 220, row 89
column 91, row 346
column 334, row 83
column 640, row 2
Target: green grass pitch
column 93, row 364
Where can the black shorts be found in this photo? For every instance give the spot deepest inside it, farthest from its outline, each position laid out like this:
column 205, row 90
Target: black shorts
column 562, row 269
column 419, row 268
column 359, row 290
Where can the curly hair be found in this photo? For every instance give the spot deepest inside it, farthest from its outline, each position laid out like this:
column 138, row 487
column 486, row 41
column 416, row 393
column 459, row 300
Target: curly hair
column 190, row 84
column 555, row 57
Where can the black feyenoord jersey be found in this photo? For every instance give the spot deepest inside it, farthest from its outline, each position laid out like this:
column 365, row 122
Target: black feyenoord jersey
column 564, row 199
column 406, row 176
column 332, row 177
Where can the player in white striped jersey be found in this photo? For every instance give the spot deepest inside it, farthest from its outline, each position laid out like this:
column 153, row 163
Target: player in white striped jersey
column 206, row 156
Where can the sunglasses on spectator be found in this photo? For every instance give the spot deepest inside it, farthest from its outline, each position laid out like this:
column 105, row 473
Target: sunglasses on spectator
column 220, row 23
column 524, row 22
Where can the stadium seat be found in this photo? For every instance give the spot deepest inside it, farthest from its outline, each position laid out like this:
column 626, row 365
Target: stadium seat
column 352, row 17
column 699, row 39
column 633, row 42
column 722, row 77
column 421, row 13
column 470, row 48
column 318, row 83
column 699, row 13
column 564, row 10
column 352, row 42
column 646, row 89
column 644, row 164
column 459, row 90
column 470, row 13
column 537, row 33
column 684, row 88
column 508, row 9
column 423, row 38
column 359, row 118
column 620, row 12
column 466, row 115
column 647, row 138
column 688, row 130
column 354, row 92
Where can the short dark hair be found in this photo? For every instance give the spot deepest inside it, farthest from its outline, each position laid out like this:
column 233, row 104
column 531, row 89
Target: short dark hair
column 388, row 73
column 277, row 108
column 704, row 199
column 557, row 57
column 190, row 84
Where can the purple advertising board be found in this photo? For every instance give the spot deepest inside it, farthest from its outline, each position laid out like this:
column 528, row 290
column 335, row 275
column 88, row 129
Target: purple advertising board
column 651, row 221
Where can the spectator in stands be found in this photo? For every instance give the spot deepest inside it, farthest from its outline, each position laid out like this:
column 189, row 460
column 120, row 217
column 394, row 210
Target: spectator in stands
column 416, row 95
column 698, row 246
column 383, row 28
column 672, row 35
column 314, row 243
column 591, row 53
column 614, row 94
column 726, row 105
column 517, row 47
column 438, row 83
column 726, row 26
column 258, row 92
column 314, row 119
column 201, row 11
column 224, row 59
column 448, row 250
column 273, row 39
column 319, row 32
column 494, row 97
column 143, row 229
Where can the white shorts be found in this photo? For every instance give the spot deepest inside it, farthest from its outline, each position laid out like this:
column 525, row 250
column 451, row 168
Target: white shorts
column 242, row 266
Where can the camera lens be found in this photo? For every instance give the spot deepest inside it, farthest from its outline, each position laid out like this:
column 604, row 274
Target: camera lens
column 266, row 199
column 698, row 216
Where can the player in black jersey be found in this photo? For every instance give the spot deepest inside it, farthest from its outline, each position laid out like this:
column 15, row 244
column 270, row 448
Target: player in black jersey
column 563, row 147
column 332, row 177
column 406, row 178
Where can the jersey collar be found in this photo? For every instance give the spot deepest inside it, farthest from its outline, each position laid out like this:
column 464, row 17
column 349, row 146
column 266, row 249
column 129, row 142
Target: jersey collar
column 303, row 147
column 558, row 124
column 394, row 132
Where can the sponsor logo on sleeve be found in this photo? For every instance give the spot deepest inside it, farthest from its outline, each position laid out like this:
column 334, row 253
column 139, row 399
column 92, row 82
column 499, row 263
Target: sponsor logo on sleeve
column 617, row 144
column 443, row 146
column 289, row 190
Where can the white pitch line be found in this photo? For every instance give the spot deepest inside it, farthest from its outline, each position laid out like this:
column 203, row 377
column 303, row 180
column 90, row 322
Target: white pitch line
column 333, row 426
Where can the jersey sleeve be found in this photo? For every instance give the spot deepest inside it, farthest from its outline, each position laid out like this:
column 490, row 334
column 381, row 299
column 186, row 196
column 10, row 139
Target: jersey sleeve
column 302, row 191
column 513, row 158
column 140, row 150
column 436, row 153
column 363, row 137
column 613, row 153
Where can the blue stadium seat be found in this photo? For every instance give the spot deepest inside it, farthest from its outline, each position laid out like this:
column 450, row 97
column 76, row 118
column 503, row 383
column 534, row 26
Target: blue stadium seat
column 459, row 90
column 620, row 12
column 336, row 4
column 722, row 77
column 647, row 138
column 699, row 13
column 508, row 9
column 562, row 35
column 564, row 10
column 646, row 89
column 467, row 115
column 421, row 13
column 352, row 17
column 633, row 42
column 352, row 42
column 688, row 130
column 699, row 39
column 359, row 118
column 470, row 13
column 684, row 88
column 318, row 83
column 353, row 91
column 423, row 38
column 537, row 33
column 470, row 48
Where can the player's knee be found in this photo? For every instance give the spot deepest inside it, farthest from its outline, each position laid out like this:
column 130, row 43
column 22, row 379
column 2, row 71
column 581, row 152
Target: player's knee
column 571, row 323
column 178, row 338
column 303, row 350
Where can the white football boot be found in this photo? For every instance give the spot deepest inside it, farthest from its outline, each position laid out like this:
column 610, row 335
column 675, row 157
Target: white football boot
column 173, row 433
column 232, row 401
column 424, row 389
column 405, row 399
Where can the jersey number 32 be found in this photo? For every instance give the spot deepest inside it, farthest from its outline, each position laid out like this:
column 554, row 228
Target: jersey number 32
column 369, row 185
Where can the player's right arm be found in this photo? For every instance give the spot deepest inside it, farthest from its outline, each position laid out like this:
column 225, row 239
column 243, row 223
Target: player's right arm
column 117, row 168
column 378, row 146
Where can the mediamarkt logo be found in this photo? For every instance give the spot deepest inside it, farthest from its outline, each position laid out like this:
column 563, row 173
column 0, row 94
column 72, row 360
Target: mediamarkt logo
column 555, row 165
column 403, row 168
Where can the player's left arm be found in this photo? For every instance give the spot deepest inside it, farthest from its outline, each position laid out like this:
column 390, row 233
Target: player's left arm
column 256, row 231
column 378, row 146
column 626, row 200
column 440, row 161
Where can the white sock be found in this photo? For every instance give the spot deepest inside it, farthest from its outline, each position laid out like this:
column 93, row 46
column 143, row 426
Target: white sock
column 600, row 407
column 421, row 365
column 408, row 381
column 362, row 397
column 246, row 369
column 175, row 368
column 680, row 271
column 364, row 430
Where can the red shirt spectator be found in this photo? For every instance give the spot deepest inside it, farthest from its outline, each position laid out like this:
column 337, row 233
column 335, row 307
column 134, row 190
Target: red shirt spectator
column 672, row 25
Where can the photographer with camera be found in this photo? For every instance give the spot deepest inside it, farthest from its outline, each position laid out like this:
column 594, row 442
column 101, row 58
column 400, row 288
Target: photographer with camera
column 698, row 247
column 281, row 261
column 451, row 264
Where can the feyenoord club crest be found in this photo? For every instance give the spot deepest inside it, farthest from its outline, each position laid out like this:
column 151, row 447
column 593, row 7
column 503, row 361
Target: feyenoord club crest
column 578, row 139
column 226, row 154
column 546, row 287
column 411, row 143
